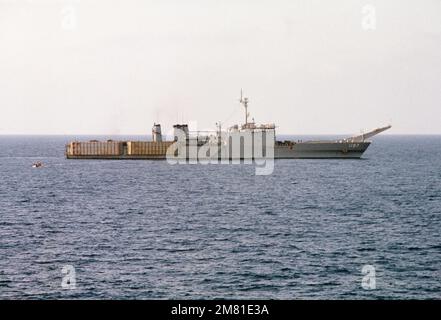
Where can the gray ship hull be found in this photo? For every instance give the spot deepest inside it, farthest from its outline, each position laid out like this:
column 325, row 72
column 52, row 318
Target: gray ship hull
column 321, row 150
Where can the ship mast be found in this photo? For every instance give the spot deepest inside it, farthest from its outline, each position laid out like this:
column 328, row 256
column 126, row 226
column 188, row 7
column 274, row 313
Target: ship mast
column 244, row 101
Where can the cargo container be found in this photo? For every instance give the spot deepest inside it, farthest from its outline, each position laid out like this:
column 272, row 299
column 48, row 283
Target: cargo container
column 95, row 148
column 147, row 148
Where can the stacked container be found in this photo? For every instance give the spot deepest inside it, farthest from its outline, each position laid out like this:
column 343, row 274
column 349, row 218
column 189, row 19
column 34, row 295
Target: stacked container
column 147, row 148
column 95, row 148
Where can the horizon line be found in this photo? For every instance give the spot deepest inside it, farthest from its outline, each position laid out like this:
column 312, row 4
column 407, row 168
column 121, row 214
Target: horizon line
column 143, row 134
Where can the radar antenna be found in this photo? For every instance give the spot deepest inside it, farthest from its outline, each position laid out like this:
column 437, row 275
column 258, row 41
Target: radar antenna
column 244, row 101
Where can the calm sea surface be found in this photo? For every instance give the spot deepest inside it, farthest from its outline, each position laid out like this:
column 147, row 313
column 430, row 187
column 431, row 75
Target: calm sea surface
column 147, row 229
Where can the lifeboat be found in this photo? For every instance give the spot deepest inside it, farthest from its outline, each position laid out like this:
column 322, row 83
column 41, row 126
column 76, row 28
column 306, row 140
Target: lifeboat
column 37, row 165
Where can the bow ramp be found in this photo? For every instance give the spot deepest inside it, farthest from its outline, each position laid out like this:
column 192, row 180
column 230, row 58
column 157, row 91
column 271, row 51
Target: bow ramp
column 364, row 136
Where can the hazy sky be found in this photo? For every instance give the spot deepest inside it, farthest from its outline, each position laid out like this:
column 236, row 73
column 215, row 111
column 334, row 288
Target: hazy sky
column 115, row 67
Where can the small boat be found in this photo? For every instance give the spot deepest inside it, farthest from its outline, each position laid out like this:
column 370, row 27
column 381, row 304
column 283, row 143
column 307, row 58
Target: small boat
column 37, row 165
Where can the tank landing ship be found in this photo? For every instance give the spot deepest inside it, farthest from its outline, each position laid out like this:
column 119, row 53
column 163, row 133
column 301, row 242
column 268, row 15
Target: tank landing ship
column 157, row 148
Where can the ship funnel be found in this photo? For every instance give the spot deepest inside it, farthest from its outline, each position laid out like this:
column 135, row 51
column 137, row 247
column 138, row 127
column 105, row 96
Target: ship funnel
column 182, row 128
column 156, row 133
